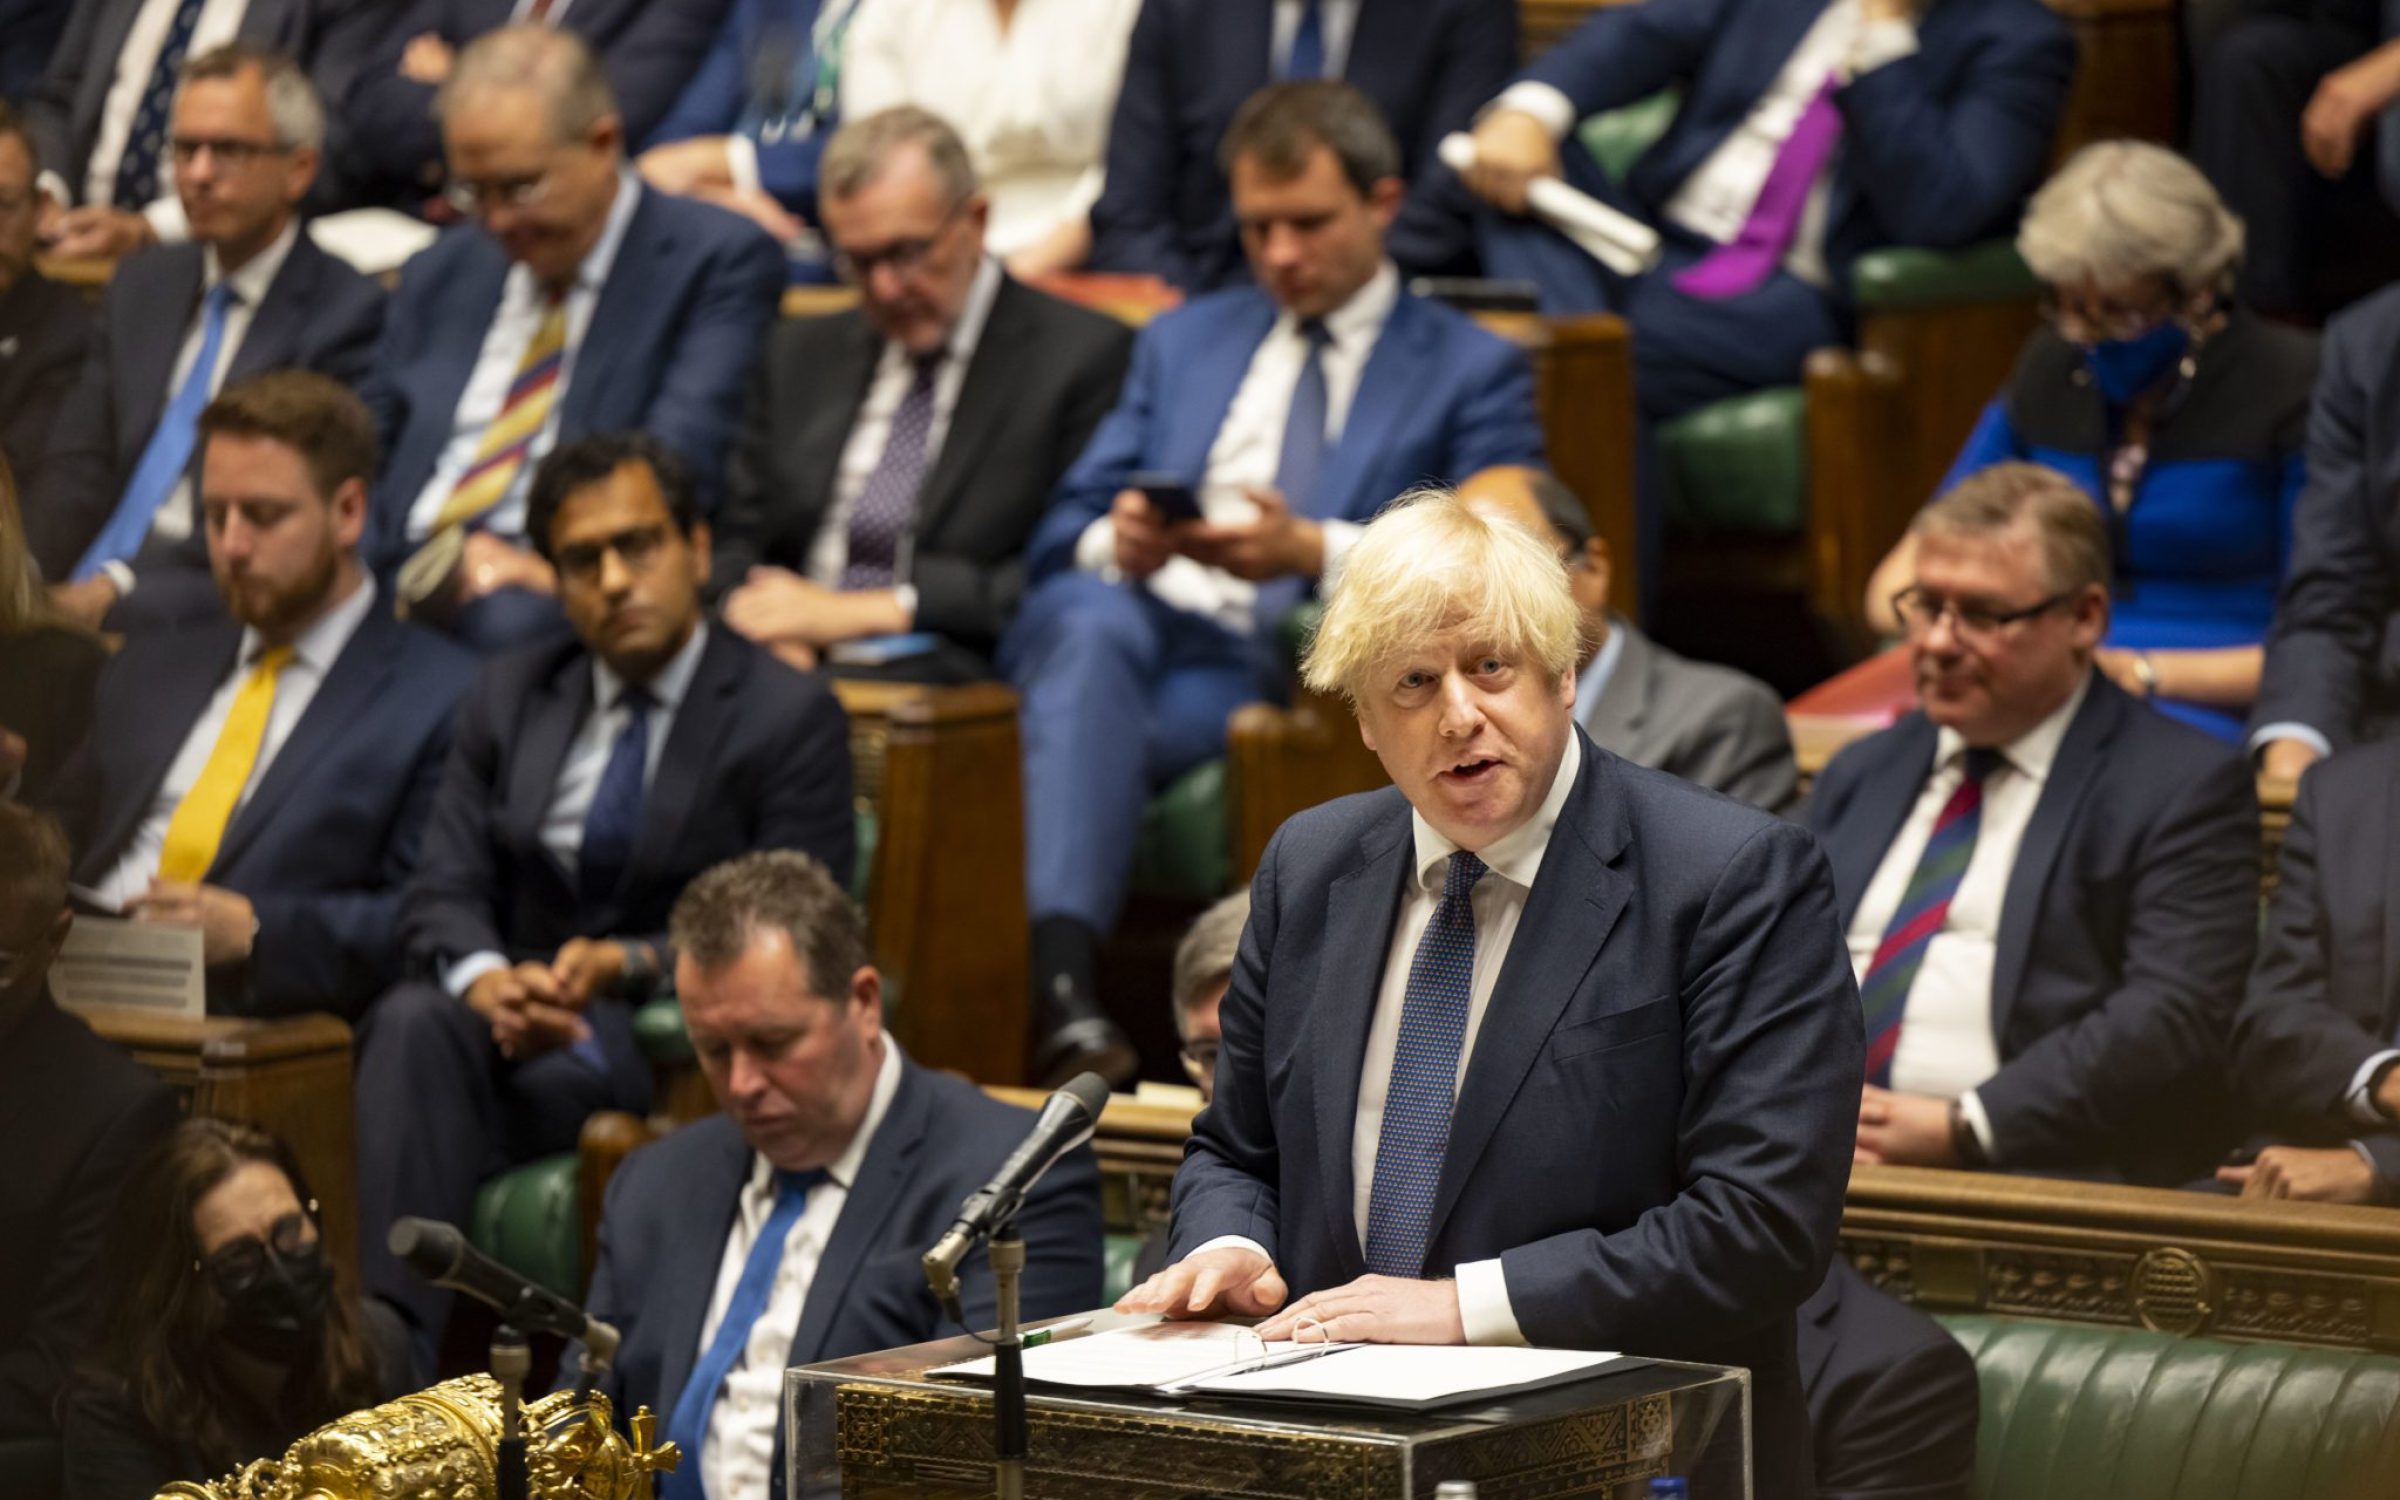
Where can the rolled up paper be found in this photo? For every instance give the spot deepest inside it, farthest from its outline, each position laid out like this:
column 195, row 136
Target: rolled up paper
column 1617, row 240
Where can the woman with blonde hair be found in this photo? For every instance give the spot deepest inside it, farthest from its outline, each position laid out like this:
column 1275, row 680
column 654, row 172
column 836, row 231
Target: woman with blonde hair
column 2182, row 414
column 47, row 667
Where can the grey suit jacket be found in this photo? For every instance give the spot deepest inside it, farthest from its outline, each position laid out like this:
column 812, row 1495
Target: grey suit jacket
column 1708, row 724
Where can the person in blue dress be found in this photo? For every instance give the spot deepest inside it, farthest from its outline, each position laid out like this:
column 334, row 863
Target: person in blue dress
column 2181, row 413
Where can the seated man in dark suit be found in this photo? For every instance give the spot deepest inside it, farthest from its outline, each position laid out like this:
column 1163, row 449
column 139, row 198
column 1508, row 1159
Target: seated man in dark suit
column 2332, row 675
column 2316, row 1045
column 1426, row 65
column 588, row 782
column 1291, row 413
column 264, row 777
column 1809, row 132
column 580, row 302
column 44, row 326
column 835, row 1162
column 898, row 456
column 78, row 1114
column 1893, row 1401
column 1705, row 723
column 113, row 525
column 2051, row 891
column 648, row 50
column 1449, row 989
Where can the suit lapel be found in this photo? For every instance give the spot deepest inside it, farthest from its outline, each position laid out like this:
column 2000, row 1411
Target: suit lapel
column 277, row 323
column 684, row 764
column 883, row 1179
column 624, row 306
column 350, row 689
column 1360, row 910
column 1624, row 702
column 1576, row 899
column 150, row 363
column 1390, row 388
column 686, row 1277
column 983, row 399
column 174, row 697
column 2081, row 754
column 1217, row 371
column 550, row 724
column 1856, row 845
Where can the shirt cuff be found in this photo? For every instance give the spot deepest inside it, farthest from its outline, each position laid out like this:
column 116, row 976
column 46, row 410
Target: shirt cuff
column 56, row 186
column 1981, row 1123
column 741, row 162
column 467, row 970
column 1542, row 101
column 1340, row 537
column 1880, row 42
column 167, row 220
column 119, row 572
column 2361, row 1097
column 1096, row 549
column 2290, row 729
column 1483, row 1310
column 1221, row 1241
column 905, row 595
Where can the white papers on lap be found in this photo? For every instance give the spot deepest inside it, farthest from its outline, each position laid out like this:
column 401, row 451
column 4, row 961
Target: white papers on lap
column 1148, row 1357
column 1411, row 1375
column 1618, row 241
column 138, row 965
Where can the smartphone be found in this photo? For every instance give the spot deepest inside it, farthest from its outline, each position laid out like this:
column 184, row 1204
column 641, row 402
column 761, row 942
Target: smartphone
column 1171, row 493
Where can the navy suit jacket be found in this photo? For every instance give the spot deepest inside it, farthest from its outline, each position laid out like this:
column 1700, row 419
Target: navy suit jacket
column 45, row 331
column 1428, row 65
column 758, row 758
column 318, row 314
column 327, row 838
column 1655, row 1128
column 1440, row 398
column 1938, row 149
column 648, row 48
column 2129, row 921
column 692, row 291
column 2325, row 995
column 669, row 1209
column 2333, row 657
column 739, row 90
column 1893, row 1401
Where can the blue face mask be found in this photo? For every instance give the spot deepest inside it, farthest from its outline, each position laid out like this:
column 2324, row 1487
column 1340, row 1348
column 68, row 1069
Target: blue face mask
column 2124, row 368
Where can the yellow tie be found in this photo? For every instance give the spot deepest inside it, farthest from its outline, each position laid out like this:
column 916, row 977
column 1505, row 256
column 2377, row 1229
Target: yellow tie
column 200, row 818
column 500, row 457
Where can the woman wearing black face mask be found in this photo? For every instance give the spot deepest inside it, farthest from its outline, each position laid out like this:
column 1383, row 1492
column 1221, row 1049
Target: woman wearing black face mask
column 2179, row 412
column 227, row 1336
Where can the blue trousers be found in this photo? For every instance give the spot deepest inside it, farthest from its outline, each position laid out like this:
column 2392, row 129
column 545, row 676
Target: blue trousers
column 1118, row 694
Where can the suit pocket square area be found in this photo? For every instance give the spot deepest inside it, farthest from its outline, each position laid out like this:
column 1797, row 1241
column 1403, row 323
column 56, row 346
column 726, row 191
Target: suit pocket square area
column 1659, row 1017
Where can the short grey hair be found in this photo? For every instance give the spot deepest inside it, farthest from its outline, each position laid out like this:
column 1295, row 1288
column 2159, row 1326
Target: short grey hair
column 2074, row 537
column 555, row 64
column 1204, row 959
column 861, row 149
column 2119, row 211
column 292, row 103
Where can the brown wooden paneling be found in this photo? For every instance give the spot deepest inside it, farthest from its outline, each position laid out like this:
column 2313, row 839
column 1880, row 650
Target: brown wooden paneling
column 1583, row 391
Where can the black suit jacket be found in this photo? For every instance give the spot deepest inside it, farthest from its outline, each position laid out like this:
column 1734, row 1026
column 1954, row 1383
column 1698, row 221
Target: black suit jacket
column 1892, row 1399
column 47, row 678
column 2325, row 995
column 2127, row 926
column 1654, row 1131
column 1043, row 374
column 325, row 841
column 758, row 758
column 78, row 1115
column 44, row 331
column 1428, row 65
column 318, row 314
column 662, row 1239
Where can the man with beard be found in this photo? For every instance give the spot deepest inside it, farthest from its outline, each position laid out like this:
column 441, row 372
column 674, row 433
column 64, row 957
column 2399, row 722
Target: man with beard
column 263, row 777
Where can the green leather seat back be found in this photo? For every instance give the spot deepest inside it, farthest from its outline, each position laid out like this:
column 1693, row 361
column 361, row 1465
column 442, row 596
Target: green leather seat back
column 1618, row 138
column 1906, row 278
column 1182, row 850
column 1740, row 465
column 2074, row 1412
column 527, row 1220
column 1118, row 1252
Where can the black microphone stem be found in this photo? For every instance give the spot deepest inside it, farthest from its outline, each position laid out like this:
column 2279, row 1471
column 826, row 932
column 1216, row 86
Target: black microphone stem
column 511, row 1360
column 1008, row 1365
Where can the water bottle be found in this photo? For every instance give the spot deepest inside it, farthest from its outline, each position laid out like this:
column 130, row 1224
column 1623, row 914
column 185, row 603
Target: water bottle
column 1454, row 1489
column 1670, row 1489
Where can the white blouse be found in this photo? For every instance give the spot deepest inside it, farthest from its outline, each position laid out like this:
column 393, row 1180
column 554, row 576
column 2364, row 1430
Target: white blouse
column 1032, row 103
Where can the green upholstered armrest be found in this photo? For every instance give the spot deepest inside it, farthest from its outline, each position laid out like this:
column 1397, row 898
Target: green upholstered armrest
column 658, row 1030
column 1296, row 629
column 870, row 832
column 1617, row 138
column 1183, row 850
column 1118, row 1252
column 1740, row 464
column 527, row 1219
column 2076, row 1412
column 1910, row 280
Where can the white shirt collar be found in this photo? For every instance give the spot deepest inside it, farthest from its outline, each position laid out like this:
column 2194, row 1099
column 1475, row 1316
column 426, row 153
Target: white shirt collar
column 1515, row 856
column 842, row 1171
column 1357, row 323
column 2029, row 754
column 666, row 687
column 250, row 283
column 321, row 644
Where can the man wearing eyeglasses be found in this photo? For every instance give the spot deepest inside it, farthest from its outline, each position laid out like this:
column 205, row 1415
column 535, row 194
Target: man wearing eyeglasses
column 113, row 525
column 588, row 781
column 577, row 302
column 897, row 456
column 2050, row 890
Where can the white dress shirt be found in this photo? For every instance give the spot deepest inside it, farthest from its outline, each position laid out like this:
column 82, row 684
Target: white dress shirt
column 829, row 552
column 1337, row 18
column 737, row 1458
column 313, row 655
column 1032, row 102
column 1947, row 1044
column 1249, row 446
column 1716, row 200
column 219, row 22
column 587, row 760
column 522, row 305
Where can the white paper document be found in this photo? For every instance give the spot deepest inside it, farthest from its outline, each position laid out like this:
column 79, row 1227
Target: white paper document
column 136, row 965
column 1617, row 240
column 1148, row 1357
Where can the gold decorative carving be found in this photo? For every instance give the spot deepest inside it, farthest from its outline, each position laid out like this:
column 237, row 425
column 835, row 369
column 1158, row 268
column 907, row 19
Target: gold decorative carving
column 2056, row 1284
column 2258, row 1303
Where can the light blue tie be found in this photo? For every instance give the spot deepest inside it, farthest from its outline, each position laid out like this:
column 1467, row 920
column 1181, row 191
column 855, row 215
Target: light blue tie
column 1307, row 57
column 688, row 1427
column 168, row 454
column 1416, row 1109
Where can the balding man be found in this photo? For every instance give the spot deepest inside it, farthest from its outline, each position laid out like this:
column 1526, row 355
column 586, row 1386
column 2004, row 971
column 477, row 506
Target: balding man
column 579, row 302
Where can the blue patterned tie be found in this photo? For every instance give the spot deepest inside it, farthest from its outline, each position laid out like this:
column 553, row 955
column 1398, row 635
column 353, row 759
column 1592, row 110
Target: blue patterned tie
column 615, row 816
column 137, row 169
column 688, row 1427
column 1416, row 1108
column 1303, row 454
column 888, row 501
column 1307, row 57
column 168, row 454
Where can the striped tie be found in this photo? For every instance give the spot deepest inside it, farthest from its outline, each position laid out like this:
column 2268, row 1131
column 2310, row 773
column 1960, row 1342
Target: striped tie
column 199, row 822
column 1924, row 909
column 532, row 396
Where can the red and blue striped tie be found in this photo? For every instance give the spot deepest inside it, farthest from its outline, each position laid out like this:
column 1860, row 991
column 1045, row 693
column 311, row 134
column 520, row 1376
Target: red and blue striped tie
column 1923, row 911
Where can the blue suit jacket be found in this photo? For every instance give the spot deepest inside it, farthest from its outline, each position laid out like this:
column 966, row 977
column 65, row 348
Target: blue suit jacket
column 1428, row 65
column 692, row 291
column 1655, row 1128
column 1440, row 398
column 737, row 92
column 662, row 1239
column 2129, row 920
column 1938, row 149
column 329, row 835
